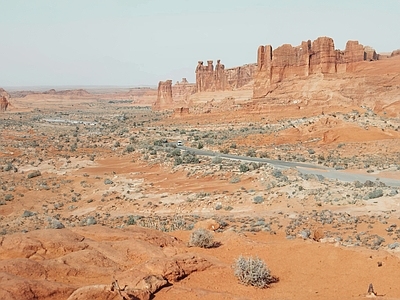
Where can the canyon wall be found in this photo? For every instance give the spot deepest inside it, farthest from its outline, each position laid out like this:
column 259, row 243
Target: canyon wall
column 317, row 57
column 210, row 79
column 164, row 95
column 172, row 96
column 181, row 91
column 239, row 77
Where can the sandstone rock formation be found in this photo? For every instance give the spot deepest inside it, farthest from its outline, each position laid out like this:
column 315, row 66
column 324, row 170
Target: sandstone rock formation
column 182, row 90
column 395, row 53
column 317, row 57
column 3, row 103
column 164, row 96
column 208, row 79
column 370, row 53
column 220, row 79
column 4, row 96
column 93, row 263
column 173, row 96
column 181, row 111
column 240, row 76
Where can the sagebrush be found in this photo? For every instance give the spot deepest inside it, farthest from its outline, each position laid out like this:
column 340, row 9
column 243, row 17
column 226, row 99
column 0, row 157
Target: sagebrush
column 253, row 271
column 201, row 238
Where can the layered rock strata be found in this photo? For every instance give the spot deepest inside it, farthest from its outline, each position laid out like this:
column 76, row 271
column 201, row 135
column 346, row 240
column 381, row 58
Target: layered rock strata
column 210, row 79
column 317, row 57
column 164, row 94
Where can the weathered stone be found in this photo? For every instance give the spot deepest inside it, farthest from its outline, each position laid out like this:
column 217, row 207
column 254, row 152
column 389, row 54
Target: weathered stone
column 318, row 57
column 172, row 96
column 164, row 96
column 221, row 79
column 395, row 53
column 4, row 96
column 181, row 91
column 370, row 53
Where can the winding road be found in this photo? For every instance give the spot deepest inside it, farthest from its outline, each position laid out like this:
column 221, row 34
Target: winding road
column 304, row 168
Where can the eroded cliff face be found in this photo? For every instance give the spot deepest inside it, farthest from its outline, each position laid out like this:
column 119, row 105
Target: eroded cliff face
column 181, row 91
column 4, row 96
column 164, row 95
column 317, row 57
column 210, row 79
column 173, row 96
column 239, row 77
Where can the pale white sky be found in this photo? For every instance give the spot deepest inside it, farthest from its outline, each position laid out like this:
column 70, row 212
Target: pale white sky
column 139, row 42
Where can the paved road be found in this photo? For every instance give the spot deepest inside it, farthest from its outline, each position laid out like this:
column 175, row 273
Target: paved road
column 304, row 168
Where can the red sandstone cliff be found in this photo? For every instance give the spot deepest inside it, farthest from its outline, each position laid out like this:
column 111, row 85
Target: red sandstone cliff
column 172, row 96
column 164, row 95
column 181, row 92
column 209, row 79
column 318, row 57
column 4, row 96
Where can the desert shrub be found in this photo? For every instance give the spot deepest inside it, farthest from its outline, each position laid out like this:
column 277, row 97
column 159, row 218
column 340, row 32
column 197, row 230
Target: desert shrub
column 202, row 195
column 244, row 168
column 158, row 143
column 374, row 194
column 258, row 199
column 131, row 220
column 311, row 151
column 73, row 147
column 176, row 152
column 178, row 161
column 129, row 148
column 251, row 153
column 190, row 158
column 201, row 238
column 8, row 197
column 8, row 167
column 34, row 174
column 224, row 151
column 216, row 160
column 235, row 179
column 253, row 271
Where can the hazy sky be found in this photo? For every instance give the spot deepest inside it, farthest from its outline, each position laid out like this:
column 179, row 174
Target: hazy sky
column 135, row 42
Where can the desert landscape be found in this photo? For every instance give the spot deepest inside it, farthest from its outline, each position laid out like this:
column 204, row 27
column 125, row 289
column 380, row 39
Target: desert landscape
column 291, row 162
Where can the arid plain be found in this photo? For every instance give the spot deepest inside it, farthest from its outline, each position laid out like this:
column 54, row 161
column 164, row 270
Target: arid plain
column 94, row 189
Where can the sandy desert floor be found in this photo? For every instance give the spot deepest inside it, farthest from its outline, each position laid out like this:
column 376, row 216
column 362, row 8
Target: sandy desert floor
column 95, row 190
